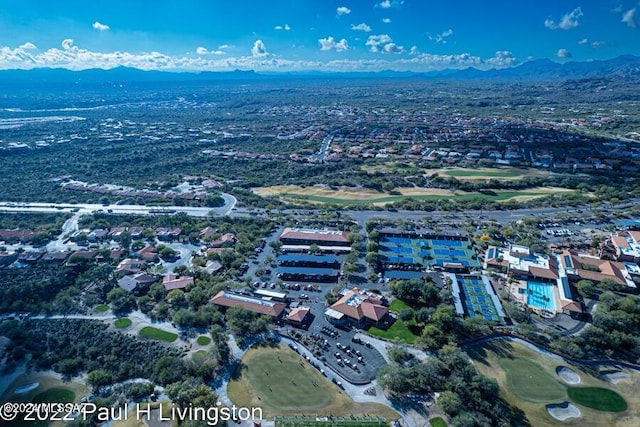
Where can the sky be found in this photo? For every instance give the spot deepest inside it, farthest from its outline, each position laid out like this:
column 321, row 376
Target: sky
column 304, row 35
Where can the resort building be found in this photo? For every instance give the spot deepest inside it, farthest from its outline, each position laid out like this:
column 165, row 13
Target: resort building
column 583, row 266
column 538, row 280
column 521, row 263
column 256, row 305
column 623, row 246
column 359, row 307
column 301, row 239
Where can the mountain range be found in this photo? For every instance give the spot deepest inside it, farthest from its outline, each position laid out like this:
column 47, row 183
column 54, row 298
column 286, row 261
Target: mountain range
column 625, row 66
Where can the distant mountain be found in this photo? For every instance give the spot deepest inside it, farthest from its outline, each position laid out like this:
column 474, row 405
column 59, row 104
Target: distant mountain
column 545, row 69
column 535, row 70
column 114, row 76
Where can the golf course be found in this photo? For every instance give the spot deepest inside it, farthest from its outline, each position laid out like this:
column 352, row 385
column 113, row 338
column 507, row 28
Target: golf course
column 362, row 196
column 552, row 392
column 280, row 382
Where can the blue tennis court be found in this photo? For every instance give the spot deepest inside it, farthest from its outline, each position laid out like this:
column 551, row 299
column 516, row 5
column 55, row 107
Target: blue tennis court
column 447, row 243
column 397, row 259
column 476, row 299
column 400, row 250
column 449, row 252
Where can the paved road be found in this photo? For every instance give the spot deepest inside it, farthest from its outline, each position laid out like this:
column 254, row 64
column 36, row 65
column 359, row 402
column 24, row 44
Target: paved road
column 83, row 208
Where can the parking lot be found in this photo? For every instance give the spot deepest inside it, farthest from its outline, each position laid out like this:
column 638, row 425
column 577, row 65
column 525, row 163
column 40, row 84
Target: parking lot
column 354, row 359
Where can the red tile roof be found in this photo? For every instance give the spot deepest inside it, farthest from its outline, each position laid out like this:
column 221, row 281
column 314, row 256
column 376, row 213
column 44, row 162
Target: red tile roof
column 358, row 306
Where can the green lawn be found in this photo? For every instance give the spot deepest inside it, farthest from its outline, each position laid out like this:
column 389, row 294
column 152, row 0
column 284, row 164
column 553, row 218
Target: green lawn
column 528, row 381
column 55, row 395
column 397, row 331
column 203, row 340
column 398, row 305
column 122, row 323
column 437, row 422
column 277, row 380
column 158, row 334
column 598, row 398
column 101, row 308
column 282, row 383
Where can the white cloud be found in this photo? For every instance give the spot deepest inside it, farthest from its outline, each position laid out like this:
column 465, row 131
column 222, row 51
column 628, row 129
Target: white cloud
column 329, row 43
column 374, row 42
column 224, row 46
column 393, row 48
column 259, row 50
column 27, row 46
column 502, row 59
column 583, row 41
column 73, row 57
column 343, row 10
column 100, row 27
column 629, row 17
column 202, row 50
column 441, row 38
column 361, row 27
column 414, row 50
column 563, row 54
column 598, row 44
column 67, row 44
column 568, row 21
column 386, row 20
column 284, row 27
column 386, row 4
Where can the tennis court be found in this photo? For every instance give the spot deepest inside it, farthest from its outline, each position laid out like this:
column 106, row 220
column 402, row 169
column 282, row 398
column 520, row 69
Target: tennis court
column 427, row 251
column 397, row 259
column 478, row 300
column 449, row 252
column 398, row 249
column 446, row 243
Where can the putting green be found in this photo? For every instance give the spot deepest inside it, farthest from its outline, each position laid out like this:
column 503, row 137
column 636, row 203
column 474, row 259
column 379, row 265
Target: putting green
column 122, row 323
column 158, row 334
column 530, row 382
column 598, row 398
column 55, row 395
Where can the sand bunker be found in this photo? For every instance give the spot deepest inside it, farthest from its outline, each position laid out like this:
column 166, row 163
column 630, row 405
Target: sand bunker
column 563, row 411
column 613, row 376
column 568, row 375
column 24, row 389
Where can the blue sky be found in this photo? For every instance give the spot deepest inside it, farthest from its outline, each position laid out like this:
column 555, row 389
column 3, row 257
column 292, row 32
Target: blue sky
column 291, row 35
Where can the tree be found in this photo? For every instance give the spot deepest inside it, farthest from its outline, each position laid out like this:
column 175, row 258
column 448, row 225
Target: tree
column 399, row 355
column 449, row 402
column 189, row 393
column 243, row 322
column 99, row 378
column 121, row 301
column 125, row 240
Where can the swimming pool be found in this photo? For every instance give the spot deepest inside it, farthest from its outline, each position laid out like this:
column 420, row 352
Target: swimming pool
column 541, row 295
